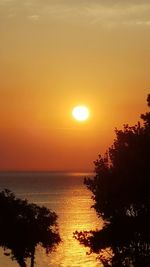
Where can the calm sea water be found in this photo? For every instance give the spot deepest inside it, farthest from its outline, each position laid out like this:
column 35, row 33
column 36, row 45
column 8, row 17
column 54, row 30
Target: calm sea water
column 65, row 194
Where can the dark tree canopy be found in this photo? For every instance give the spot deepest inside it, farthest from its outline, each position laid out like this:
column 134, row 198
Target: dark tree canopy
column 23, row 226
column 121, row 194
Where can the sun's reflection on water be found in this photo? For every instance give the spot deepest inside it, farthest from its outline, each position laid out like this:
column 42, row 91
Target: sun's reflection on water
column 75, row 214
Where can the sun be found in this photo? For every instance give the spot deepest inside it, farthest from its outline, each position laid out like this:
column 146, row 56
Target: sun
column 80, row 113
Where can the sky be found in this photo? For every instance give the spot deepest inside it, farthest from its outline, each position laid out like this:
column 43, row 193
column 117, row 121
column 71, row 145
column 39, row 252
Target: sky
column 56, row 54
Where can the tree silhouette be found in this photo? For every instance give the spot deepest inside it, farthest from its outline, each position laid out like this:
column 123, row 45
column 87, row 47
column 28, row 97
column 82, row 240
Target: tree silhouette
column 23, row 226
column 120, row 190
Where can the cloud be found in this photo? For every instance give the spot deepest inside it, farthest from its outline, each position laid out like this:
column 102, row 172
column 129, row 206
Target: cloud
column 115, row 13
column 133, row 14
column 34, row 17
column 101, row 12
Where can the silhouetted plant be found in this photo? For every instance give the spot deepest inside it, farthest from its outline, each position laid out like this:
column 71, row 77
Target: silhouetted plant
column 121, row 195
column 23, row 226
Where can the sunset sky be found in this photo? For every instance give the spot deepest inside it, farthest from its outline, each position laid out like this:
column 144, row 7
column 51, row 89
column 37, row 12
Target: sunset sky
column 56, row 54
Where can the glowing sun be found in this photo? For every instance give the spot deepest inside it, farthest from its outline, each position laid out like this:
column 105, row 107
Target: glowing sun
column 80, row 113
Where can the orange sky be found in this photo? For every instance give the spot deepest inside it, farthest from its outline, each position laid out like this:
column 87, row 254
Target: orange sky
column 56, row 54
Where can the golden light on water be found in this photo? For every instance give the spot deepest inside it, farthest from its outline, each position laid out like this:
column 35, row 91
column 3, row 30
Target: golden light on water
column 80, row 113
column 75, row 214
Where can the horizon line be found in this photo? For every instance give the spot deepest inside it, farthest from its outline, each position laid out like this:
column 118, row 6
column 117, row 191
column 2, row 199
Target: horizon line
column 46, row 171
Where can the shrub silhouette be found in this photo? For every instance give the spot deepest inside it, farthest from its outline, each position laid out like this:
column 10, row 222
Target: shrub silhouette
column 121, row 194
column 23, row 226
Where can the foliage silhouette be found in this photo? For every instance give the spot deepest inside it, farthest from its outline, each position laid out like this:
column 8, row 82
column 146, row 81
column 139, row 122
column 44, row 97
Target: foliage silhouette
column 120, row 190
column 23, row 226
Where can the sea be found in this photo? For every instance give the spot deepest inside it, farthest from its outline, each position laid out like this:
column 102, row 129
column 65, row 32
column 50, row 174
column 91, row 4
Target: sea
column 65, row 194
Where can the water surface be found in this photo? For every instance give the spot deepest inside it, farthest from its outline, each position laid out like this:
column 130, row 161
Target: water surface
column 65, row 194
